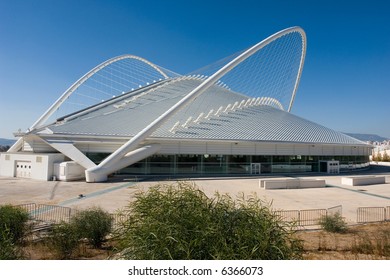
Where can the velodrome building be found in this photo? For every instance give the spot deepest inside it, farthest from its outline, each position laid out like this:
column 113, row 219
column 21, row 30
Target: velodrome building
column 129, row 115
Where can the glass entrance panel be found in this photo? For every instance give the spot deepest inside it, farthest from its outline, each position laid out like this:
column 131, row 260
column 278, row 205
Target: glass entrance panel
column 255, row 168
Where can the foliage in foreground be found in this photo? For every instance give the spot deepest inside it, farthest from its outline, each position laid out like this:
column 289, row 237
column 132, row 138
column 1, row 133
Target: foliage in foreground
column 94, row 224
column 13, row 229
column 333, row 223
column 64, row 240
column 181, row 222
column 13, row 223
column 8, row 250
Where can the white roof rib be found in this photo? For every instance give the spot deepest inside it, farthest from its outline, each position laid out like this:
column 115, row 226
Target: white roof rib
column 219, row 114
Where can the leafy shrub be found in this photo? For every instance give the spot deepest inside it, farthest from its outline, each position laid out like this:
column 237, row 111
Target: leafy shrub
column 333, row 223
column 13, row 223
column 8, row 250
column 181, row 222
column 93, row 224
column 64, row 239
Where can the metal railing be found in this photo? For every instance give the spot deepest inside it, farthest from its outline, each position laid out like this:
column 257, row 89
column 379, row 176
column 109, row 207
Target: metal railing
column 309, row 217
column 387, row 213
column 288, row 215
column 28, row 207
column 335, row 209
column 55, row 214
column 373, row 214
column 47, row 213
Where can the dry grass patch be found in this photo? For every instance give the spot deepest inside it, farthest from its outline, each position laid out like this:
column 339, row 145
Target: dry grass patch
column 362, row 242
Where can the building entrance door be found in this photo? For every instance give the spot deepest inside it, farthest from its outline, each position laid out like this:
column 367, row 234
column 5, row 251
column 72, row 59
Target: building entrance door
column 23, row 169
column 255, row 168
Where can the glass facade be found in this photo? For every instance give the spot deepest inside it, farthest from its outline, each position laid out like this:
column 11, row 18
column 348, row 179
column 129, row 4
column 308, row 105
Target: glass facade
column 207, row 164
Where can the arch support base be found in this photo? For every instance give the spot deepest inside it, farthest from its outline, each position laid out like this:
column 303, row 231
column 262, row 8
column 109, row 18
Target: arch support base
column 100, row 173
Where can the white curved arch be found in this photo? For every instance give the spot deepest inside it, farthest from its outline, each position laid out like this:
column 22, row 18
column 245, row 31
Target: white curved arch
column 49, row 112
column 97, row 173
column 302, row 61
column 251, row 51
column 88, row 75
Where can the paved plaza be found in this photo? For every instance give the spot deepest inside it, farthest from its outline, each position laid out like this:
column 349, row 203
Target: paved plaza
column 119, row 190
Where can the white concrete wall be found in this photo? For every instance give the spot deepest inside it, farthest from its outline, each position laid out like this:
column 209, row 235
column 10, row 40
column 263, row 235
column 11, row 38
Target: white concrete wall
column 68, row 171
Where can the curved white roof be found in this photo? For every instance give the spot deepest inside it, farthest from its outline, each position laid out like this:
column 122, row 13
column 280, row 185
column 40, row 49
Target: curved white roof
column 219, row 114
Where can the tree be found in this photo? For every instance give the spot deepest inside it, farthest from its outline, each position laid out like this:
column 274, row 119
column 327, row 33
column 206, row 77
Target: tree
column 4, row 148
column 181, row 222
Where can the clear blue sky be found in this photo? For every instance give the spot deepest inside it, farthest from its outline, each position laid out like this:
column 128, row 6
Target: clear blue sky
column 47, row 45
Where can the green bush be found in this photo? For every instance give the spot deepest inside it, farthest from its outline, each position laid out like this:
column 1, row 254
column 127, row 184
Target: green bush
column 64, row 240
column 333, row 223
column 8, row 250
column 181, row 222
column 93, row 224
column 14, row 221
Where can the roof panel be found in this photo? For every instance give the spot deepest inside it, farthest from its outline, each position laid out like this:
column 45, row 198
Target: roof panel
column 219, row 114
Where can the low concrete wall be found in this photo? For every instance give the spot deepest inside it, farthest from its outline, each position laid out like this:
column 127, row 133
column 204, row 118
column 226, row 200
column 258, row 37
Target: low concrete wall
column 291, row 183
column 313, row 183
column 363, row 180
column 279, row 182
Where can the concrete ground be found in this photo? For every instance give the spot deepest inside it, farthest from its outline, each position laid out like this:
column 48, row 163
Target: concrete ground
column 118, row 191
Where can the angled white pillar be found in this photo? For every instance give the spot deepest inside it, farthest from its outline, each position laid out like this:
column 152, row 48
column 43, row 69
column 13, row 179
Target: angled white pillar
column 99, row 174
column 17, row 146
column 67, row 148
